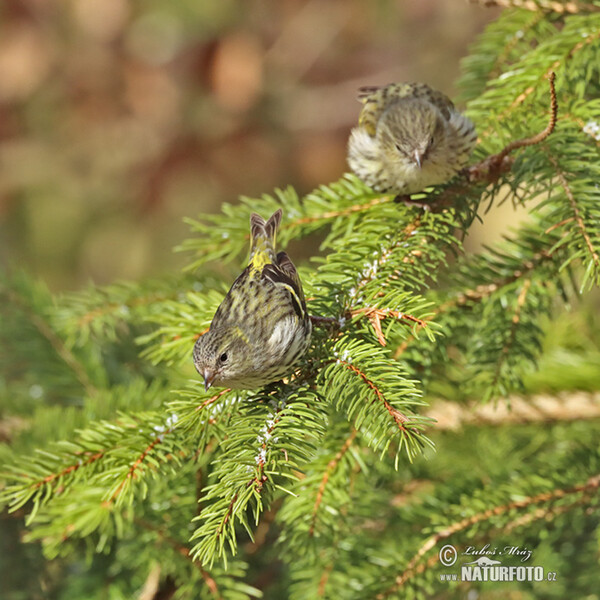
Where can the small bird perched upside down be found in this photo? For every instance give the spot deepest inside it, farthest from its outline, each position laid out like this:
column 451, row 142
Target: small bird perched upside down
column 262, row 327
column 408, row 137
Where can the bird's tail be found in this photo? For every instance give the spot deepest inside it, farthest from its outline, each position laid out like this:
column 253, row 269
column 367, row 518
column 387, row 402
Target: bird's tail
column 263, row 237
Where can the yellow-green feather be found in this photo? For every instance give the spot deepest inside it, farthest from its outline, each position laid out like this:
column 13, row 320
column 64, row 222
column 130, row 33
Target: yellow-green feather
column 263, row 239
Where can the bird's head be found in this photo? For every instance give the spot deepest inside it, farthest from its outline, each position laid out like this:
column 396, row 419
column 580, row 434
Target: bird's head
column 222, row 357
column 412, row 132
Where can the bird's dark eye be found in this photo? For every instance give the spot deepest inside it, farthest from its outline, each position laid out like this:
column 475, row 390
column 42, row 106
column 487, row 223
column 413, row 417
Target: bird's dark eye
column 223, row 357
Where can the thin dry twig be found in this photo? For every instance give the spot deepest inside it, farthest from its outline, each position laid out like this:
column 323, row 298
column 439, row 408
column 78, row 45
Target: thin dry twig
column 572, row 7
column 490, row 168
column 541, row 408
column 375, row 315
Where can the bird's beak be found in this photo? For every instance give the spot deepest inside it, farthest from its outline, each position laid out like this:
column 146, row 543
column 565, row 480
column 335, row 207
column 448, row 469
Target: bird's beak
column 209, row 377
column 418, row 157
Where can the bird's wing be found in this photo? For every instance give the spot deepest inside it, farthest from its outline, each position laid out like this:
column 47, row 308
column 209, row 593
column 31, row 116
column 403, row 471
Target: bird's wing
column 284, row 273
column 376, row 99
column 438, row 99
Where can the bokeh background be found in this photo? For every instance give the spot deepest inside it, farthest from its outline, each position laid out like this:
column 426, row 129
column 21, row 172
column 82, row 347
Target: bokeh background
column 118, row 118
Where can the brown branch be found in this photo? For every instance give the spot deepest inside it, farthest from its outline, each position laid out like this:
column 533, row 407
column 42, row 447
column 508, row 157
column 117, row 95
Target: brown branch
column 182, row 550
column 331, row 466
column 212, row 399
column 542, row 135
column 407, row 232
column 513, row 329
column 131, row 473
column 557, row 225
column 398, row 417
column 543, row 512
column 258, row 480
column 413, row 568
column 260, row 476
column 56, row 342
column 490, row 168
column 228, row 514
column 568, row 406
column 571, row 7
column 376, row 314
column 324, row 579
column 110, row 307
column 481, row 292
column 553, row 68
column 577, row 214
column 332, row 214
column 71, row 469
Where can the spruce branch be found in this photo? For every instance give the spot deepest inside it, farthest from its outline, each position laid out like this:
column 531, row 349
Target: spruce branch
column 261, row 454
column 314, row 451
column 464, row 297
column 518, row 410
column 542, row 6
column 375, row 404
column 312, row 518
column 57, row 343
column 101, row 454
column 182, row 550
column 490, row 169
column 577, row 216
column 415, row 566
column 334, row 214
column 398, row 417
column 331, row 466
column 137, row 467
column 512, row 332
column 375, row 315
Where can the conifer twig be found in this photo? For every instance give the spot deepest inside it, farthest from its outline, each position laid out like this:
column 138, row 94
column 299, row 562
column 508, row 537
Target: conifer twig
column 413, row 567
column 70, row 469
column 182, row 550
column 132, row 472
column 490, row 168
column 513, row 330
column 576, row 212
column 375, row 315
column 540, row 408
column 571, row 7
column 332, row 214
column 400, row 419
column 481, row 292
column 212, row 399
column 333, row 463
column 56, row 342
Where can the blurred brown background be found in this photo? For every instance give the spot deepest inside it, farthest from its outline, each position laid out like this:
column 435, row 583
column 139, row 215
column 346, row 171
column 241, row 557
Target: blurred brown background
column 118, row 118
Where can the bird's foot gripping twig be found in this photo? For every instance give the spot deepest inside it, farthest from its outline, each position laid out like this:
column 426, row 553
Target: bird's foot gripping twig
column 324, row 321
column 410, row 202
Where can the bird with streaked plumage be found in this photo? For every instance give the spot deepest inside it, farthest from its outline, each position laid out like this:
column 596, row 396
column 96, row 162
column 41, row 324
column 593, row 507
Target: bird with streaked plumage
column 262, row 327
column 409, row 137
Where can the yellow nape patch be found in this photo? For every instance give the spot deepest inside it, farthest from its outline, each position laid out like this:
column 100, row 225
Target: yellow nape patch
column 261, row 256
